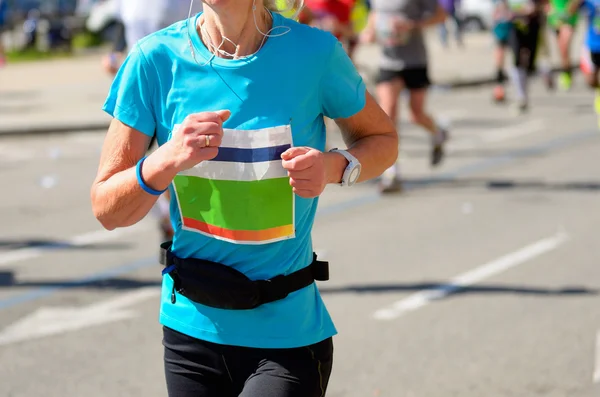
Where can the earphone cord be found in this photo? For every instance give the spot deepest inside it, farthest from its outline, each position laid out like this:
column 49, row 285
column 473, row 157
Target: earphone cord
column 217, row 50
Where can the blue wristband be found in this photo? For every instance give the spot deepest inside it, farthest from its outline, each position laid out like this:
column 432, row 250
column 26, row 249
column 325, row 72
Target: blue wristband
column 147, row 189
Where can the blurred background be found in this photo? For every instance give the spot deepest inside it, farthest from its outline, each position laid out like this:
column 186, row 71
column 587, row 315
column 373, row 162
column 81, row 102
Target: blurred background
column 38, row 26
column 480, row 278
column 71, row 25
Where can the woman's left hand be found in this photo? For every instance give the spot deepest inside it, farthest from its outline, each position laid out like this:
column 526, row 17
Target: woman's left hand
column 306, row 169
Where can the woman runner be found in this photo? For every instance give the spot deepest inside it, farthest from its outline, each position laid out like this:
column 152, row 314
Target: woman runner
column 236, row 96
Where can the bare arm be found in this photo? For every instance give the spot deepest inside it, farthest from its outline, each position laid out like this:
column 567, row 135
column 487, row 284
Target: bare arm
column 438, row 17
column 117, row 198
column 371, row 137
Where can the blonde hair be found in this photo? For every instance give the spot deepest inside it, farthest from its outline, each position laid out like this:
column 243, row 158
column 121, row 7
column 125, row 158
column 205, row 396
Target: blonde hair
column 285, row 6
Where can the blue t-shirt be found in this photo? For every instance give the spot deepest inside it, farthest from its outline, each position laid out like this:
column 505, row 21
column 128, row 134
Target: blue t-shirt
column 593, row 36
column 239, row 209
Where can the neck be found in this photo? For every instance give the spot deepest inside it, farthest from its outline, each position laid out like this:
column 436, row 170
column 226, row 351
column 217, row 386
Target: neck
column 230, row 21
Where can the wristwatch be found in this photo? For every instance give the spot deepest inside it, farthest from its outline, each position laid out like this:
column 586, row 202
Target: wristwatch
column 352, row 171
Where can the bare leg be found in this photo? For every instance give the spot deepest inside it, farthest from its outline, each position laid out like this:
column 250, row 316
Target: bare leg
column 388, row 93
column 564, row 44
column 417, row 111
column 420, row 117
column 499, row 58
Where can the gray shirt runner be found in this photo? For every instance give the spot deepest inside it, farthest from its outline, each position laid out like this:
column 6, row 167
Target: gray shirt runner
column 401, row 51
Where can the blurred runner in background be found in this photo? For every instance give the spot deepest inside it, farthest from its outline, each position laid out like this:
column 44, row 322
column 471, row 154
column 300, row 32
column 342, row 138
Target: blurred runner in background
column 502, row 30
column 451, row 8
column 139, row 18
column 112, row 61
column 590, row 64
column 527, row 18
column 334, row 16
column 563, row 25
column 398, row 25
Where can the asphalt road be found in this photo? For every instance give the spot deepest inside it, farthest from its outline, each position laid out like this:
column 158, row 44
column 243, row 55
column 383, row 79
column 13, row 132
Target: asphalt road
column 481, row 279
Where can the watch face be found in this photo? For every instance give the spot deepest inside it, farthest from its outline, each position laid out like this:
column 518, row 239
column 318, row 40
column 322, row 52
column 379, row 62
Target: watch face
column 354, row 174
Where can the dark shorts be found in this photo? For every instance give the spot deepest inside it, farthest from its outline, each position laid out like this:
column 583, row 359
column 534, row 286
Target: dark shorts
column 502, row 42
column 194, row 368
column 524, row 45
column 595, row 56
column 413, row 78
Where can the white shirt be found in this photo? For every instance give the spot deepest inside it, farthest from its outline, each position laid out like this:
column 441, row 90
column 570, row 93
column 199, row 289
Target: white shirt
column 143, row 17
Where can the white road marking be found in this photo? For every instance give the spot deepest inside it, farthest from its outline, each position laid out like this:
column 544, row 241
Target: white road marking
column 99, row 236
column 596, row 376
column 425, row 297
column 52, row 321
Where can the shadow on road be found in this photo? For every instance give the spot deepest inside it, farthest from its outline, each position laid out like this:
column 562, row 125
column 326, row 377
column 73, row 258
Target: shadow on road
column 477, row 153
column 56, row 244
column 7, row 280
column 475, row 289
column 503, row 184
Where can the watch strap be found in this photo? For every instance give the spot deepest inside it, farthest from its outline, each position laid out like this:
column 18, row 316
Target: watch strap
column 351, row 159
column 352, row 162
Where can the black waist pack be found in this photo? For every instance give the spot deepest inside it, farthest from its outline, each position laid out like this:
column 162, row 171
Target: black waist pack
column 220, row 286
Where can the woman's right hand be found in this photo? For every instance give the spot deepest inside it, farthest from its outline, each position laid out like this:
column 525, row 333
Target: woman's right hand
column 187, row 147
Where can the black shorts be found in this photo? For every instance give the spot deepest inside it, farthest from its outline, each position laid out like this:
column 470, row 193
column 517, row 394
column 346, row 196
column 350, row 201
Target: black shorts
column 414, row 78
column 595, row 56
column 195, row 368
column 524, row 44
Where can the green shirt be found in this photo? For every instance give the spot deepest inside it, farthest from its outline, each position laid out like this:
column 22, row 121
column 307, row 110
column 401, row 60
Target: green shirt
column 558, row 8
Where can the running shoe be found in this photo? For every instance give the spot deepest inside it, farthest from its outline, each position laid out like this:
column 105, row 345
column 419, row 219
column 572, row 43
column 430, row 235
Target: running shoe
column 499, row 94
column 549, row 80
column 564, row 81
column 390, row 181
column 393, row 185
column 437, row 152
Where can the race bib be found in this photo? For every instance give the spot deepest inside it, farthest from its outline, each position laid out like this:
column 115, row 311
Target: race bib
column 243, row 195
